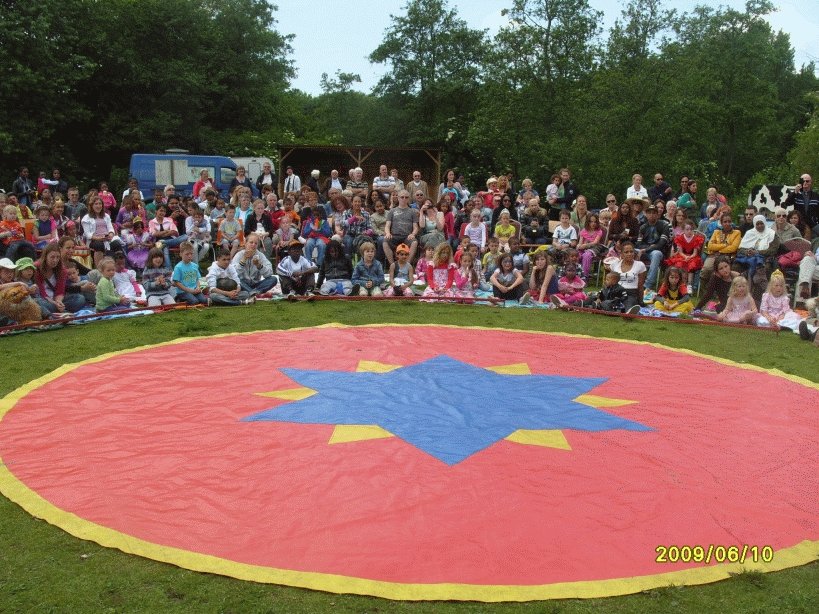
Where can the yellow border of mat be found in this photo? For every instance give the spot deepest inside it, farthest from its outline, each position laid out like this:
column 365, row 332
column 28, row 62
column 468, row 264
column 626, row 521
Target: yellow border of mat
column 800, row 554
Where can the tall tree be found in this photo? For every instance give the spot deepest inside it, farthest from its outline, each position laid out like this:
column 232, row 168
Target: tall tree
column 534, row 68
column 434, row 62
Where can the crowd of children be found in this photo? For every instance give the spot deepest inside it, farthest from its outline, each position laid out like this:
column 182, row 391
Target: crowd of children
column 71, row 256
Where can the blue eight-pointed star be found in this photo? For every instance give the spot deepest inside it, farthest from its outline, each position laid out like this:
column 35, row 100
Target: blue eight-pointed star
column 445, row 407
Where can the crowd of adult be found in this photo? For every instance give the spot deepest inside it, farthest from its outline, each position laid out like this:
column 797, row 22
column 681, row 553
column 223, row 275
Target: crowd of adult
column 658, row 226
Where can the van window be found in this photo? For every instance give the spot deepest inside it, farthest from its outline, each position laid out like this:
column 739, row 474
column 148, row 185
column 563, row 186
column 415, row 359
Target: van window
column 193, row 173
column 227, row 175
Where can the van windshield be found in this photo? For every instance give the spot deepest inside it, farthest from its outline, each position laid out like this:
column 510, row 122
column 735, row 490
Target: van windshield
column 227, row 175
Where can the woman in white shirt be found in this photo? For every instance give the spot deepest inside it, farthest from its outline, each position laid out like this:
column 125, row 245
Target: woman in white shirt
column 637, row 189
column 632, row 274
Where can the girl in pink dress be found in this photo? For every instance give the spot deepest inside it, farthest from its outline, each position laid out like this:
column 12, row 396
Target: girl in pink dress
column 441, row 275
column 466, row 277
column 590, row 244
column 740, row 308
column 775, row 306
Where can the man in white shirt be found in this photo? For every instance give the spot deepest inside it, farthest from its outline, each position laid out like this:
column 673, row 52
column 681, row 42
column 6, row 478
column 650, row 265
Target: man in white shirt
column 384, row 183
column 292, row 182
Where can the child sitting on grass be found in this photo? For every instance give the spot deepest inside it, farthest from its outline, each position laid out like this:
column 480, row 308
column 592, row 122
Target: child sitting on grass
column 508, row 283
column 569, row 288
column 107, row 298
column 467, row 279
column 156, row 279
column 441, row 276
column 125, row 280
column 296, row 272
column 186, row 277
column 543, row 278
column 673, row 296
column 401, row 274
column 775, row 306
column 740, row 308
column 612, row 297
column 368, row 274
column 224, row 286
column 336, row 271
column 491, row 257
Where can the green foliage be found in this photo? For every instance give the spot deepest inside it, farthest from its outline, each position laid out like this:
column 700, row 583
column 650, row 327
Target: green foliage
column 136, row 76
column 434, row 62
column 711, row 92
column 804, row 157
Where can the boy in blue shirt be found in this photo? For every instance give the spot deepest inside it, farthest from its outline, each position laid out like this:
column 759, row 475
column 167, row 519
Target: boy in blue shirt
column 186, row 278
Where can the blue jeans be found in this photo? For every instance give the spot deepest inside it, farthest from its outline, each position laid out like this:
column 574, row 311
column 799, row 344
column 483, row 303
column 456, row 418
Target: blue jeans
column 221, row 299
column 169, row 243
column 72, row 302
column 656, row 259
column 260, row 287
column 319, row 245
column 191, row 299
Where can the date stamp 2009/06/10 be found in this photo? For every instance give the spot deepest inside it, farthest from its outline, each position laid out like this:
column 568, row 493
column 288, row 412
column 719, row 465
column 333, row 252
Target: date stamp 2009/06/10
column 714, row 553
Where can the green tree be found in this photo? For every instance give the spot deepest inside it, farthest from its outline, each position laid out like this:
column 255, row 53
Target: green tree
column 100, row 80
column 535, row 67
column 434, row 63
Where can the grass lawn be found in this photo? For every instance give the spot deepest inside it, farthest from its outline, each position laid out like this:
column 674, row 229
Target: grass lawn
column 44, row 569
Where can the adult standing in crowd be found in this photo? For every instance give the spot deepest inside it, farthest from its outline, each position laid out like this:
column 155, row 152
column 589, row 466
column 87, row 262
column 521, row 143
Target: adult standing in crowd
column 23, row 188
column 418, row 185
column 637, row 189
column 384, row 182
column 661, row 190
column 332, row 182
column 268, row 177
column 806, row 201
column 292, row 182
column 357, row 185
column 566, row 194
column 240, row 179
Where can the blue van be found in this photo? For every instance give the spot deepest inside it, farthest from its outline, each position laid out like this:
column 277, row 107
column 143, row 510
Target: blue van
column 181, row 170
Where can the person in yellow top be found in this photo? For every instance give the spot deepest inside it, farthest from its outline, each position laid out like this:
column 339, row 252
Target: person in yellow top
column 725, row 241
column 505, row 230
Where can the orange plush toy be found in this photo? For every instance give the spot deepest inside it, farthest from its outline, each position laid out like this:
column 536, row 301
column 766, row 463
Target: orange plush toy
column 16, row 304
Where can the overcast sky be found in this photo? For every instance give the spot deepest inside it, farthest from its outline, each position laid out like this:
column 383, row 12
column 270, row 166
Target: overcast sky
column 335, row 35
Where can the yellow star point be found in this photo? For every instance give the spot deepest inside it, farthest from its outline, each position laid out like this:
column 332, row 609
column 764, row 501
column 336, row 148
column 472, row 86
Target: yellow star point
column 291, row 394
column 346, row 433
column 543, row 438
column 370, row 366
column 595, row 401
column 519, row 368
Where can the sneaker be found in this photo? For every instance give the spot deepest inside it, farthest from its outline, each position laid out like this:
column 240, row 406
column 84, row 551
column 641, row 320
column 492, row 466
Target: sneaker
column 250, row 300
column 633, row 310
column 804, row 332
column 557, row 301
column 291, row 296
column 526, row 299
column 648, row 296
